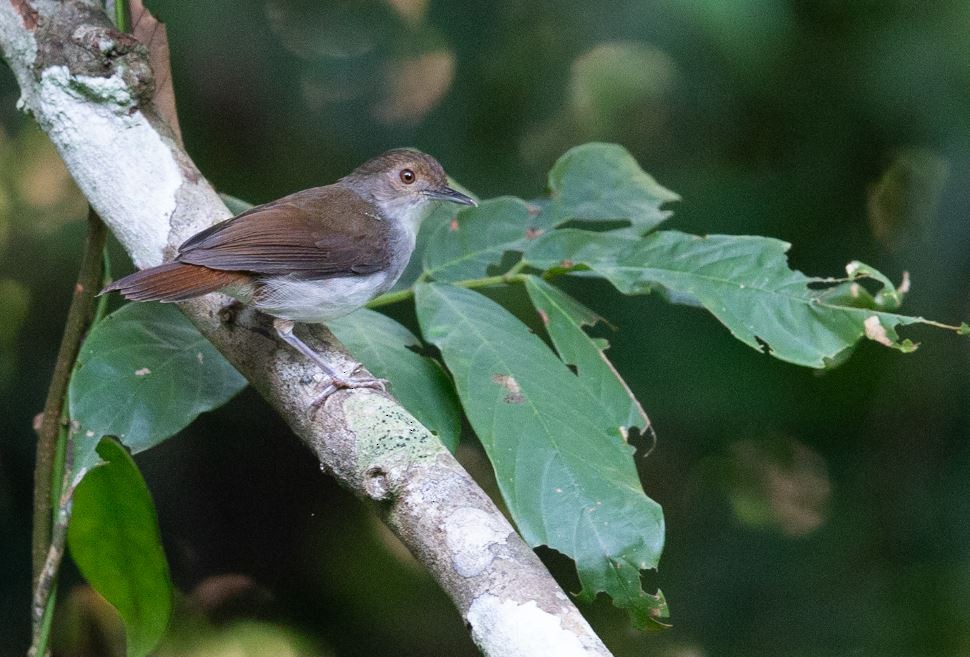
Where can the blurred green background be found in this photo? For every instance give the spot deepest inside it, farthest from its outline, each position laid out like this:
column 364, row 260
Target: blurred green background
column 808, row 513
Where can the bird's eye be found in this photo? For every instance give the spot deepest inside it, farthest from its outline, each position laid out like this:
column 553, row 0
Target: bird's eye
column 407, row 176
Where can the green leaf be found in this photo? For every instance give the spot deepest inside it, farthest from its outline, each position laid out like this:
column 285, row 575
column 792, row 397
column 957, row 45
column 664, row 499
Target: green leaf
column 235, row 205
column 419, row 383
column 143, row 374
column 744, row 281
column 115, row 542
column 564, row 319
column 599, row 183
column 477, row 238
column 848, row 292
column 602, row 182
column 443, row 214
column 566, row 474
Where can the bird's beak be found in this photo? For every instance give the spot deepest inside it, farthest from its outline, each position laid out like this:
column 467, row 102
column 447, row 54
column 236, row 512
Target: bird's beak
column 451, row 195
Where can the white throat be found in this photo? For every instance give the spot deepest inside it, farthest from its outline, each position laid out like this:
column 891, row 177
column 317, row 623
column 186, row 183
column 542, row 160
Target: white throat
column 409, row 211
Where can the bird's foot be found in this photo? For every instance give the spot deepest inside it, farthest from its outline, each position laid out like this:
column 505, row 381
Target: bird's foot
column 347, row 383
column 338, row 381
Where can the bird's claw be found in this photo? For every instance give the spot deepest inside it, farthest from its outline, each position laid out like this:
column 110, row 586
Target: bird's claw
column 350, row 382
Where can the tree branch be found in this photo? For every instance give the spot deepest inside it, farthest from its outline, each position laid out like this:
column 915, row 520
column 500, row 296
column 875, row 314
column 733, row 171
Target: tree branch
column 90, row 87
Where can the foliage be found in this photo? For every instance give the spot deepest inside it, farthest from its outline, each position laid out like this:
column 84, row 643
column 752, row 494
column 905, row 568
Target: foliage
column 743, row 281
column 115, row 543
column 553, row 417
column 143, row 374
column 561, row 460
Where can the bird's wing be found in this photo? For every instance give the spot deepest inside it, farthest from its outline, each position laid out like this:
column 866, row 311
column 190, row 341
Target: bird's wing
column 317, row 233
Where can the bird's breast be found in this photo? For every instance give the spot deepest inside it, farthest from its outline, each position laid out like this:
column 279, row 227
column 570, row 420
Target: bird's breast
column 316, row 301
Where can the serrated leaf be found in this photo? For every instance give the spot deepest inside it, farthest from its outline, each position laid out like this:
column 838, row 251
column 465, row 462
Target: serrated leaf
column 602, row 182
column 564, row 319
column 566, row 474
column 419, row 383
column 143, row 374
column 595, row 183
column 477, row 238
column 742, row 280
column 114, row 540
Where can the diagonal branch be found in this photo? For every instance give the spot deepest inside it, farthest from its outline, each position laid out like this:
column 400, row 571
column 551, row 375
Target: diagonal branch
column 90, row 88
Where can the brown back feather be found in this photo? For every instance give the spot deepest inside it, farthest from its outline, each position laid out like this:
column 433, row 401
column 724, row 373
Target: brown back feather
column 317, row 233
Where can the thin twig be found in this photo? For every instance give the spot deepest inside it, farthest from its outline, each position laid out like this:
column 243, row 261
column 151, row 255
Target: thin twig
column 44, row 591
column 78, row 316
column 508, row 278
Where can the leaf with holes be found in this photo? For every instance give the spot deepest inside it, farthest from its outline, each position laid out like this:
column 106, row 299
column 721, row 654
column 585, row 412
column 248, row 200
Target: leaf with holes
column 593, row 183
column 564, row 319
column 599, row 182
column 477, row 238
column 565, row 472
column 115, row 542
column 143, row 374
column 419, row 383
column 742, row 280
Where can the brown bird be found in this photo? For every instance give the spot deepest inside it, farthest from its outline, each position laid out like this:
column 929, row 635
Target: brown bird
column 312, row 256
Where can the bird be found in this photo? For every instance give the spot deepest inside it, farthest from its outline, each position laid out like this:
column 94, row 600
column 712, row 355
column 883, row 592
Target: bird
column 312, row 256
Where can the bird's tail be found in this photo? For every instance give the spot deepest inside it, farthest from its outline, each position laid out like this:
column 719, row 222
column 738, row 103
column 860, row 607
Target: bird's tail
column 174, row 281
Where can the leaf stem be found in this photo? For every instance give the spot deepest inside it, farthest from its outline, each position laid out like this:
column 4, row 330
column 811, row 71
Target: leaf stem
column 102, row 308
column 45, row 594
column 39, row 646
column 391, row 297
column 489, row 281
column 52, row 418
column 121, row 15
column 516, row 268
column 513, row 275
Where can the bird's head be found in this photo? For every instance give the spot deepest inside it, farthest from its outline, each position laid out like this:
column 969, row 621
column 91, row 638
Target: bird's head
column 404, row 182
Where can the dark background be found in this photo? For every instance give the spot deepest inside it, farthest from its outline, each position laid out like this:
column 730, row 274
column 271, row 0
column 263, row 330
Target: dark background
column 808, row 513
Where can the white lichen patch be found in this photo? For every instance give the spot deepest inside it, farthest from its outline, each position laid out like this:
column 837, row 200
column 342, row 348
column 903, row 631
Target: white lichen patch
column 115, row 156
column 469, row 535
column 512, row 629
column 387, row 437
column 111, row 90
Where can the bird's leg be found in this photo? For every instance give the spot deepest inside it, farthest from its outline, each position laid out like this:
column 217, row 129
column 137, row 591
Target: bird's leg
column 284, row 328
